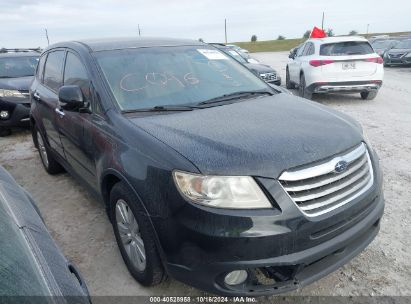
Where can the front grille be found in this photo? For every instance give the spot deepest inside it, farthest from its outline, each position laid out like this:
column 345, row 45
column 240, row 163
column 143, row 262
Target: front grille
column 319, row 189
column 395, row 55
column 268, row 76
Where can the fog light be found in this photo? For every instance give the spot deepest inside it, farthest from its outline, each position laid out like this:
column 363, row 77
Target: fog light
column 236, row 277
column 4, row 114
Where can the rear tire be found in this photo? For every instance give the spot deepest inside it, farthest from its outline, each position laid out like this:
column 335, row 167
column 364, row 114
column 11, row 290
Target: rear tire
column 288, row 83
column 303, row 89
column 135, row 237
column 368, row 95
column 50, row 164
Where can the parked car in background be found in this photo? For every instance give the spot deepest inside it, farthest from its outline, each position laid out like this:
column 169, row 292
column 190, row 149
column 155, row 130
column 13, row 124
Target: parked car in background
column 31, row 264
column 16, row 74
column 237, row 48
column 265, row 72
column 335, row 65
column 382, row 46
column 207, row 173
column 400, row 54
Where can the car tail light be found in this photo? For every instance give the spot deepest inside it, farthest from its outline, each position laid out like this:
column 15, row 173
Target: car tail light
column 317, row 63
column 375, row 60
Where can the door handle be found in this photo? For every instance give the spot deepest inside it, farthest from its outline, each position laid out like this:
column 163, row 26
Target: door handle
column 36, row 96
column 59, row 112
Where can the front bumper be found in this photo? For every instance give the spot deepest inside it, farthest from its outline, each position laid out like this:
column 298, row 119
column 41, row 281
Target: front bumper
column 281, row 249
column 345, row 87
column 19, row 114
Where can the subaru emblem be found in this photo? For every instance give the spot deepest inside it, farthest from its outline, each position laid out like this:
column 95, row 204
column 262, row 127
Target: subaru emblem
column 341, row 166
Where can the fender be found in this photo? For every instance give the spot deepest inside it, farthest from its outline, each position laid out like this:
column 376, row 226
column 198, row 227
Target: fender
column 105, row 195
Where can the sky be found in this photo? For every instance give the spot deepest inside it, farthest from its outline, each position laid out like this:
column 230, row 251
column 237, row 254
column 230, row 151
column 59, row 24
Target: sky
column 22, row 22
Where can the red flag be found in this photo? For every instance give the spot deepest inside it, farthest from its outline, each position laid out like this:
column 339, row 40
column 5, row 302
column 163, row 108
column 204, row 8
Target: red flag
column 317, row 33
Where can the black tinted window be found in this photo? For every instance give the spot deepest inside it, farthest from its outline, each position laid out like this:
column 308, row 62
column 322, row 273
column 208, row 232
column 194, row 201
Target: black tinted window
column 40, row 67
column 53, row 70
column 346, row 48
column 75, row 74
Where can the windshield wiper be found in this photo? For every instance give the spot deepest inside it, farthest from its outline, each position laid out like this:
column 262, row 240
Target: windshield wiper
column 169, row 108
column 235, row 95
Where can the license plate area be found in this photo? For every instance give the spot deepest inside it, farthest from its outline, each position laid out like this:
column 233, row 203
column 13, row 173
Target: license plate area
column 348, row 66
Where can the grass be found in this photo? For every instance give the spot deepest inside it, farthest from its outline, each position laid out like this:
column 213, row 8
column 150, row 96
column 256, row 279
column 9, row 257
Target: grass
column 288, row 44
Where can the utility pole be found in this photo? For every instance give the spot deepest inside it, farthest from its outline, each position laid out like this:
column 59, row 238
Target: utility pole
column 225, row 30
column 139, row 31
column 368, row 27
column 47, row 36
column 322, row 22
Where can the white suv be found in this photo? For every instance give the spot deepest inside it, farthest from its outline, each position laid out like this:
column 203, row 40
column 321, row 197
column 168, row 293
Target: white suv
column 335, row 64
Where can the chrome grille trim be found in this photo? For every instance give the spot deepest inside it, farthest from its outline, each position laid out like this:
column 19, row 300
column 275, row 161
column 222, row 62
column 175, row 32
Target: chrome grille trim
column 319, row 189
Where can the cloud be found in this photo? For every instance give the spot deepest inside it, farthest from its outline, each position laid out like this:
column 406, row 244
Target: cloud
column 23, row 21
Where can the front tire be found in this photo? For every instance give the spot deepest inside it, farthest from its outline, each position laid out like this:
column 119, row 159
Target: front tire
column 50, row 164
column 368, row 95
column 4, row 132
column 303, row 89
column 288, row 83
column 135, row 236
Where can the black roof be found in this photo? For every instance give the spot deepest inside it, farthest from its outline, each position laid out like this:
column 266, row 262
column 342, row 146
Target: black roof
column 106, row 44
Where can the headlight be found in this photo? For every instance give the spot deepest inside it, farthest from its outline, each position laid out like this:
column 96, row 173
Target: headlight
column 10, row 93
column 367, row 140
column 233, row 192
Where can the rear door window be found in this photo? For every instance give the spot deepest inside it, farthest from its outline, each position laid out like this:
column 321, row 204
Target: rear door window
column 346, row 48
column 53, row 72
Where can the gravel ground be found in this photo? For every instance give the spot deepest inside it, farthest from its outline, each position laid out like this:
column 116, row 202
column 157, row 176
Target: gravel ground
column 80, row 227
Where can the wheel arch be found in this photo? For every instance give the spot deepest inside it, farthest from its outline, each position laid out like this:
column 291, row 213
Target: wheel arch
column 110, row 177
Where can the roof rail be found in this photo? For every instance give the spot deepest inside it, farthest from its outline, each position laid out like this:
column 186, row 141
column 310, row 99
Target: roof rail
column 19, row 50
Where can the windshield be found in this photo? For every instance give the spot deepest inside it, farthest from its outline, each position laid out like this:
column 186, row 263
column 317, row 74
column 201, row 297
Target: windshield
column 235, row 55
column 163, row 76
column 13, row 67
column 404, row 44
column 381, row 44
column 346, row 48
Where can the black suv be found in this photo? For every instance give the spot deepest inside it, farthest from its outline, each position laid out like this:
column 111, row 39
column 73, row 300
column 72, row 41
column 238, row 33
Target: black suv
column 17, row 68
column 206, row 172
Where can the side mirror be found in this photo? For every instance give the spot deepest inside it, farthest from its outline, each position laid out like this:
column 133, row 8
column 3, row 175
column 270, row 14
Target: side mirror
column 71, row 98
column 292, row 54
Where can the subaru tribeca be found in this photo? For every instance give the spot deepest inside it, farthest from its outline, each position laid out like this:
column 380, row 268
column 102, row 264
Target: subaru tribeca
column 208, row 175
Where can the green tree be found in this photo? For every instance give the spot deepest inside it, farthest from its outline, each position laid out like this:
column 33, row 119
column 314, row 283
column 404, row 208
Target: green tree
column 200, row 39
column 353, row 33
column 253, row 38
column 307, row 34
column 280, row 37
column 330, row 32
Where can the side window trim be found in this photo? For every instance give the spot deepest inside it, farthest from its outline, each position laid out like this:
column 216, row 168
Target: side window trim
column 41, row 77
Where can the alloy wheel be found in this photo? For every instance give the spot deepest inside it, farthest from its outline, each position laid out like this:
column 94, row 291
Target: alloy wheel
column 130, row 234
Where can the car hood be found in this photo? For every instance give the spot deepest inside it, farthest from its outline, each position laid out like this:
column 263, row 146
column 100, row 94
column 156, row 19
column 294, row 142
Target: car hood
column 260, row 68
column 257, row 137
column 19, row 83
column 399, row 51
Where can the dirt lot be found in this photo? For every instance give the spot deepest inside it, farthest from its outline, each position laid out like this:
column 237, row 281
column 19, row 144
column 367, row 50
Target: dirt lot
column 80, row 227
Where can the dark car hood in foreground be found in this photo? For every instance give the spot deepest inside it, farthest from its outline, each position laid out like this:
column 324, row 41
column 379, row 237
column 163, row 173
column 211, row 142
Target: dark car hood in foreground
column 258, row 137
column 20, row 83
